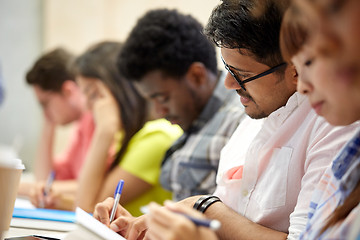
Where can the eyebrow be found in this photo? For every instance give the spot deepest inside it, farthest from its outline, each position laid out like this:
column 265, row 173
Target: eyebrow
column 242, row 73
column 237, row 69
column 154, row 95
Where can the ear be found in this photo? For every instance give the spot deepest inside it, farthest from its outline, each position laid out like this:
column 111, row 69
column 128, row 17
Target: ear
column 196, row 75
column 68, row 88
column 293, row 73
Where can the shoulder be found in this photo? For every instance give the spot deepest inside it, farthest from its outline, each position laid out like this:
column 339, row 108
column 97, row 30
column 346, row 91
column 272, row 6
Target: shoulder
column 158, row 128
column 227, row 118
column 323, row 131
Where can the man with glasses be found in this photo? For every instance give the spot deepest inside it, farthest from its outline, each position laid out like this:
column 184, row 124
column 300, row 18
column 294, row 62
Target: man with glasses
column 266, row 191
column 270, row 166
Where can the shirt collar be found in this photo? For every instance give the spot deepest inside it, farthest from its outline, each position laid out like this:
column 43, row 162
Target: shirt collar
column 217, row 99
column 281, row 114
column 346, row 166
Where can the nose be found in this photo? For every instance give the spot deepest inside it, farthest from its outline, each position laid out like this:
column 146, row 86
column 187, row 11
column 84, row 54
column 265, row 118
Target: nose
column 304, row 87
column 160, row 109
column 230, row 82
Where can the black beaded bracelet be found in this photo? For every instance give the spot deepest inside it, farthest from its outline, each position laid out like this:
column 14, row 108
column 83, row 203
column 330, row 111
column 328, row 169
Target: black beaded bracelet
column 204, row 202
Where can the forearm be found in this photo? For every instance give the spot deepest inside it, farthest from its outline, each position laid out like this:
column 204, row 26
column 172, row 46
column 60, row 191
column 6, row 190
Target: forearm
column 44, row 158
column 133, row 188
column 65, row 192
column 234, row 225
column 94, row 170
column 65, row 186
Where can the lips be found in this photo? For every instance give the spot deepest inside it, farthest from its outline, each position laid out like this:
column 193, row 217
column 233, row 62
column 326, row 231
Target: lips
column 173, row 120
column 244, row 99
column 317, row 107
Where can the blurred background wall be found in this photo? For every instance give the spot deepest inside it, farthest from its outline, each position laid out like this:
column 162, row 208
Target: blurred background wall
column 28, row 28
column 21, row 41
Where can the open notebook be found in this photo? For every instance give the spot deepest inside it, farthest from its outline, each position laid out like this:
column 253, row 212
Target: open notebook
column 90, row 228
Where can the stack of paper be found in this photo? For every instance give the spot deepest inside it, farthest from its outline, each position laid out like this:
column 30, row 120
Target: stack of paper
column 90, row 228
column 45, row 219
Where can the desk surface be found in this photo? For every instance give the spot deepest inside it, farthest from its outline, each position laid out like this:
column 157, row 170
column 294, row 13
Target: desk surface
column 18, row 232
column 21, row 231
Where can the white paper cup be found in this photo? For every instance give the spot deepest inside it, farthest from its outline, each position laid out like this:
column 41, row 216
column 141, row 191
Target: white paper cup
column 10, row 173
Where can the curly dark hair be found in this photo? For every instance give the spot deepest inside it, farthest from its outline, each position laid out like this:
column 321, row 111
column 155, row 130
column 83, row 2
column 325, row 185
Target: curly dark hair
column 51, row 70
column 233, row 25
column 165, row 40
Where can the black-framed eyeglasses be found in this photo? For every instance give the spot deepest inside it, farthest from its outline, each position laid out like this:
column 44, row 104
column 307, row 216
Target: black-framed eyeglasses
column 242, row 82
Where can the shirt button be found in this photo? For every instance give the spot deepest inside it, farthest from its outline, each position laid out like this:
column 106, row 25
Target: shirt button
column 245, row 193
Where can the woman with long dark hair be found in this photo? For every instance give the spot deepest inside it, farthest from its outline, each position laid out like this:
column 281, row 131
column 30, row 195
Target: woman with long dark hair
column 123, row 121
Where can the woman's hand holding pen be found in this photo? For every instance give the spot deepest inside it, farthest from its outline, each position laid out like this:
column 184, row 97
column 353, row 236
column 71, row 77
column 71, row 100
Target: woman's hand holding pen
column 166, row 223
column 56, row 197
column 38, row 198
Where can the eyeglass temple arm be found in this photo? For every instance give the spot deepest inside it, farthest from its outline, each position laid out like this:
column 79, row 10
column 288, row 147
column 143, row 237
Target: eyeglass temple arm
column 271, row 70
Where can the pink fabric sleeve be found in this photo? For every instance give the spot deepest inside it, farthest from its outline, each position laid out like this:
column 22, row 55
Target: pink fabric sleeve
column 68, row 165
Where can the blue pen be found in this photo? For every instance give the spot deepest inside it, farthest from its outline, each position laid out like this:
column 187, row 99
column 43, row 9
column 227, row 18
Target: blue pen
column 212, row 224
column 48, row 185
column 117, row 196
